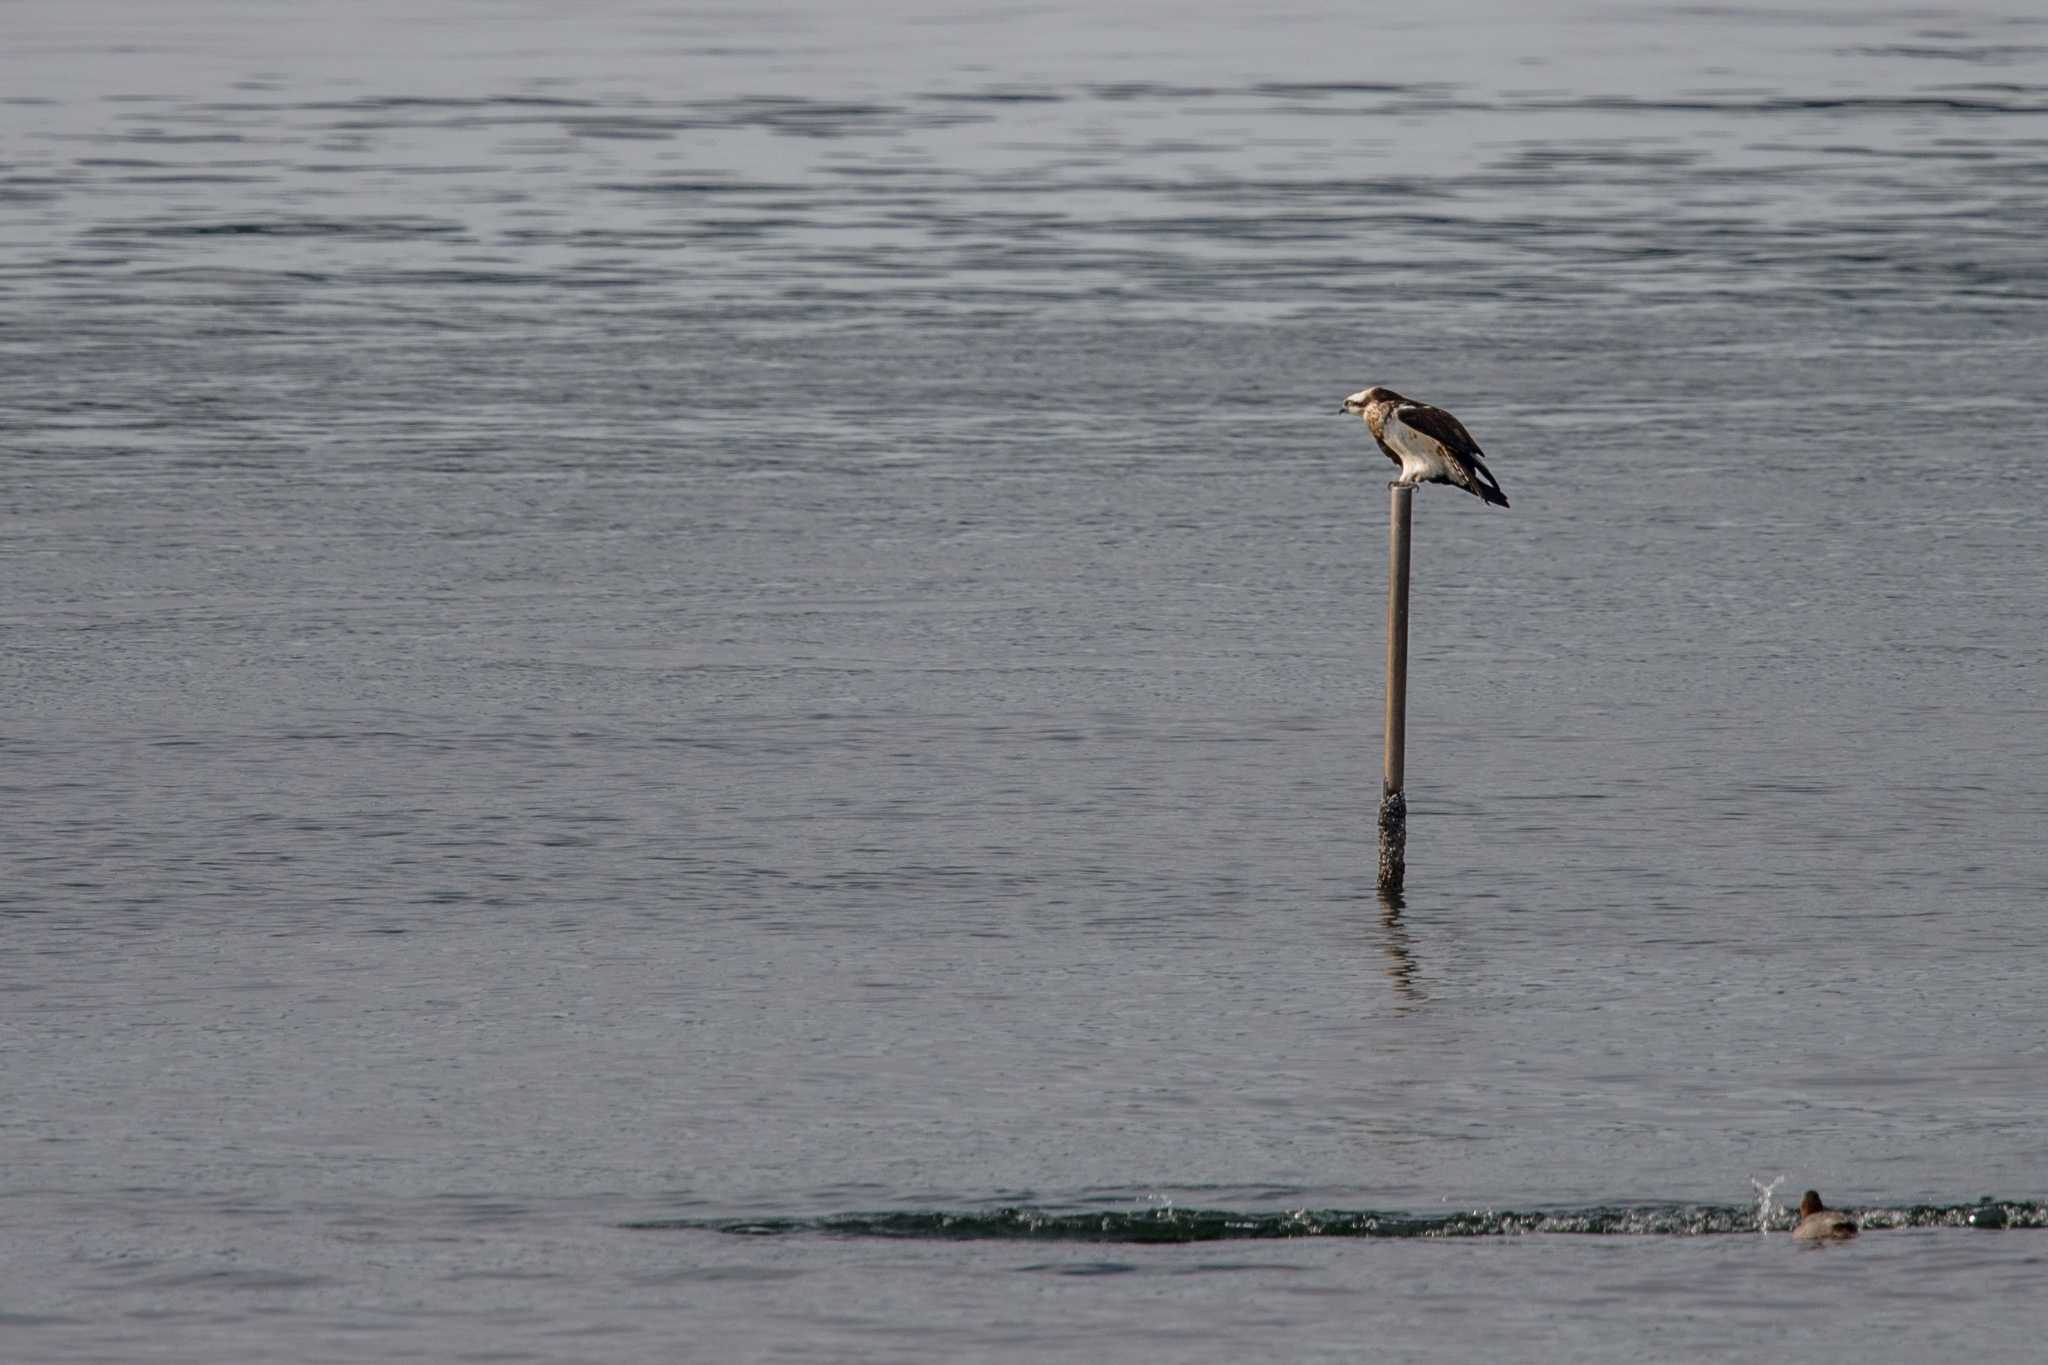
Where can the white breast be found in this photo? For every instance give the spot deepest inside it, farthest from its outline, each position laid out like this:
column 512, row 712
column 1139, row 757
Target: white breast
column 1421, row 456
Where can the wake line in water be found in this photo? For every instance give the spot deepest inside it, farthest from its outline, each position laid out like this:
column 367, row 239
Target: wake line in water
column 1174, row 1225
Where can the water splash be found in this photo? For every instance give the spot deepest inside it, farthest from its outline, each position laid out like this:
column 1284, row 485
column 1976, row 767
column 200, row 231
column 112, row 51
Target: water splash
column 1768, row 1210
column 1173, row 1224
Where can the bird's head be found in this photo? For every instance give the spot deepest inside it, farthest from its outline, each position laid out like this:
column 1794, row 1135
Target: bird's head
column 1364, row 398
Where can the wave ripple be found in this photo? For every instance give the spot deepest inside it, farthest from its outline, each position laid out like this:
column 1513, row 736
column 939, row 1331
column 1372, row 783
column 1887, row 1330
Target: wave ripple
column 1177, row 1225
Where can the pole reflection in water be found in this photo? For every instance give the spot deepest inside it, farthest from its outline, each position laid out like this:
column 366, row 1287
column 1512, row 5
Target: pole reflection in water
column 1400, row 959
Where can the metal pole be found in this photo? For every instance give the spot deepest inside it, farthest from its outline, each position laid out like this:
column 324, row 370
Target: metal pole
column 1393, row 796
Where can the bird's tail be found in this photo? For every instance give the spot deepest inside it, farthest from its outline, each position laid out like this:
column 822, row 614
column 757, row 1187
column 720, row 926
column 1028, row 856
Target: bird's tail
column 1486, row 488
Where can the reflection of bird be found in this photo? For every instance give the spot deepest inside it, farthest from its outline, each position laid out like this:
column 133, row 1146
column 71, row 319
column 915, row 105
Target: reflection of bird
column 1819, row 1223
column 1429, row 444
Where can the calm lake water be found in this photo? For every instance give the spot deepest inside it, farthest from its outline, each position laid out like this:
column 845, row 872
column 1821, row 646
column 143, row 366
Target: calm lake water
column 703, row 683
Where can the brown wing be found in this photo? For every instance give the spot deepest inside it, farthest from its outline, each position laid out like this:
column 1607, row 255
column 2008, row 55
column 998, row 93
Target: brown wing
column 1436, row 423
column 1448, row 432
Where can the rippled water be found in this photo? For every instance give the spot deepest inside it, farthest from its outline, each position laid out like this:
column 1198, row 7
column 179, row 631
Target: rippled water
column 704, row 683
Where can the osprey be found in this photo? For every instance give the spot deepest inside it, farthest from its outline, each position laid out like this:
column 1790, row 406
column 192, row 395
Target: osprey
column 1429, row 444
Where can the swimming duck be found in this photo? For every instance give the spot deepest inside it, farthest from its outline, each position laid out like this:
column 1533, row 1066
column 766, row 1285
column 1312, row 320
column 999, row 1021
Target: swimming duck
column 1819, row 1223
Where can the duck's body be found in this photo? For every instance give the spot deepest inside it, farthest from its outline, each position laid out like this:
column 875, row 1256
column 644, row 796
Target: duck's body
column 1429, row 444
column 1819, row 1223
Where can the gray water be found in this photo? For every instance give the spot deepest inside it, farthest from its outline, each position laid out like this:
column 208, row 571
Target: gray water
column 703, row 683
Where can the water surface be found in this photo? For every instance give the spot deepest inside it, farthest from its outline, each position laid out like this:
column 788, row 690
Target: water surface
column 632, row 628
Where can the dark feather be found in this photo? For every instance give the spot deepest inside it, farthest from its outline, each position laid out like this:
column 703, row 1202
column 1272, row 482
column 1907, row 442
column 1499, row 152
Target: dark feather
column 1448, row 432
column 1437, row 423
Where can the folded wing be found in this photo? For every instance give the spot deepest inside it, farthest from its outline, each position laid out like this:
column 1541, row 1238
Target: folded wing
column 1445, row 437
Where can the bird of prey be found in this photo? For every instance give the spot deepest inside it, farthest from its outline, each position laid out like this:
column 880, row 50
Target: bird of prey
column 1429, row 444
